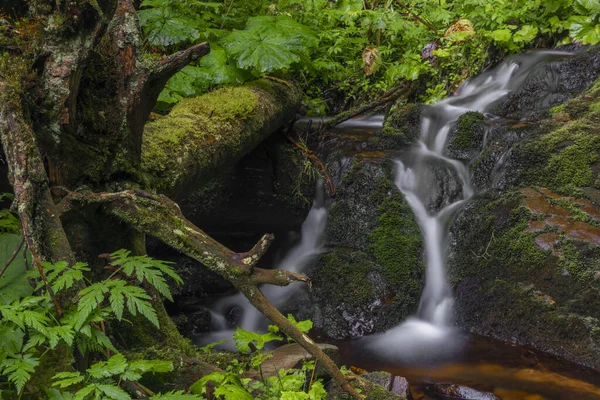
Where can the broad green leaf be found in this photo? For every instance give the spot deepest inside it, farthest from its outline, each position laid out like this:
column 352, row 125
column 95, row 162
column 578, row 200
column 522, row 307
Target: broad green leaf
column 233, row 392
column 262, row 52
column 304, row 326
column 584, row 30
column 199, row 387
column 501, row 35
column 526, row 34
column 242, row 338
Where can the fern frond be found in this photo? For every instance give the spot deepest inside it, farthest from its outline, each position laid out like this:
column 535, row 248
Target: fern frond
column 18, row 370
column 115, row 365
column 137, row 368
column 66, row 379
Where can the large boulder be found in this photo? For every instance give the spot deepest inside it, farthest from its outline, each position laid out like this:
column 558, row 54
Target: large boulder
column 370, row 276
column 524, row 254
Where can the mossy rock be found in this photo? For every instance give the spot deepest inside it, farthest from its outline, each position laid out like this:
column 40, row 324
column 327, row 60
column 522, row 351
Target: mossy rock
column 371, row 276
column 403, row 124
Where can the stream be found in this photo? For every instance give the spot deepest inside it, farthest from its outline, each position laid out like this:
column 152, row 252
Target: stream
column 427, row 348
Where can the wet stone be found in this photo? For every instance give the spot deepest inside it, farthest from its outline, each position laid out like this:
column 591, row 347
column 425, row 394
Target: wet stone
column 449, row 391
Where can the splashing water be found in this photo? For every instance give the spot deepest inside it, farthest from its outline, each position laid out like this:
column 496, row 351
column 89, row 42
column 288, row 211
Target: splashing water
column 429, row 335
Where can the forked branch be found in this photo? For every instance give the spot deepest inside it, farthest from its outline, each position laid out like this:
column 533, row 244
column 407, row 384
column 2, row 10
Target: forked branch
column 159, row 217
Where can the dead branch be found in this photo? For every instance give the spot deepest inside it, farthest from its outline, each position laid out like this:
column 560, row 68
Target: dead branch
column 391, row 96
column 316, row 160
column 416, row 17
column 156, row 216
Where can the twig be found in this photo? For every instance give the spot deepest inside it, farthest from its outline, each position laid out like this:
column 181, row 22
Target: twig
column 311, row 155
column 391, row 95
column 13, row 256
column 416, row 17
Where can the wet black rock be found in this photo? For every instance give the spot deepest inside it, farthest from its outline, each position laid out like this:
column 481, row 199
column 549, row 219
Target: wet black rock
column 449, row 391
column 369, row 278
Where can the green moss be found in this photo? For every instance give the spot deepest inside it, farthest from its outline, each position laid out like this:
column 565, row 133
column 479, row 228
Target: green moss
column 350, row 284
column 212, row 130
column 396, row 242
column 563, row 157
column 467, row 135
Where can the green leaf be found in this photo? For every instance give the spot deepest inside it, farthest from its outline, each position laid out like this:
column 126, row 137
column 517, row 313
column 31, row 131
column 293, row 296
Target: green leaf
column 11, row 339
column 584, row 30
column 210, row 346
column 13, row 283
column 18, row 369
column 135, row 369
column 233, row 392
column 115, row 365
column 317, row 391
column 242, row 338
column 294, row 396
column 83, row 393
column 262, row 52
column 113, row 392
column 501, row 35
column 304, row 326
column 90, row 299
column 176, row 395
column 199, row 387
column 526, row 34
column 66, row 379
column 166, row 27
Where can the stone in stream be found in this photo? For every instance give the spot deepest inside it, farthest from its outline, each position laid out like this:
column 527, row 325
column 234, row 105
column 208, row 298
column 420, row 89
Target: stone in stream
column 450, row 391
column 394, row 384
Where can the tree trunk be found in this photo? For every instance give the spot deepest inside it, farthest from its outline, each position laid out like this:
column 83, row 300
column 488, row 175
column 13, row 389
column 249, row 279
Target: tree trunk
column 75, row 96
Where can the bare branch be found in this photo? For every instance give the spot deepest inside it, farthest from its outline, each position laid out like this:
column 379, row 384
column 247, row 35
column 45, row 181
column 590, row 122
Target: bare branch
column 157, row 216
column 170, row 65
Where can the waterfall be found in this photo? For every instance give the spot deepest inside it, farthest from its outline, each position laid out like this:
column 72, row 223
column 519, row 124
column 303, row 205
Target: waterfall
column 297, row 259
column 430, row 334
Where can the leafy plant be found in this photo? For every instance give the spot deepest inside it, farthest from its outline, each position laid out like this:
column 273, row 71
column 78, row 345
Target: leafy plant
column 31, row 328
column 344, row 52
column 295, row 383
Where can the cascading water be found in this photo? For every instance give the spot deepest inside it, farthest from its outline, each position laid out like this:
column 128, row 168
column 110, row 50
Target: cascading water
column 429, row 334
column 296, row 260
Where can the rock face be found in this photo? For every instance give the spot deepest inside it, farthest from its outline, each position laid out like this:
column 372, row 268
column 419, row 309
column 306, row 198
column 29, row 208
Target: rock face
column 524, row 256
column 370, row 276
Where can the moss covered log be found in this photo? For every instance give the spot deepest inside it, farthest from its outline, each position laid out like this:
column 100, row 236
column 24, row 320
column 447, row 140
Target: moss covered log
column 203, row 135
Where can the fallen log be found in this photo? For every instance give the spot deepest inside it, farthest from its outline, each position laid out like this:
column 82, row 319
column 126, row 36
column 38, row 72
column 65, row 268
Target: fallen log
column 200, row 136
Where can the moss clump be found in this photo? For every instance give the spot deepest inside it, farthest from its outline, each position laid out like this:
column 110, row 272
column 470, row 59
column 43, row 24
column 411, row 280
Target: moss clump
column 467, row 135
column 204, row 134
column 403, row 122
column 341, row 276
column 562, row 159
column 396, row 242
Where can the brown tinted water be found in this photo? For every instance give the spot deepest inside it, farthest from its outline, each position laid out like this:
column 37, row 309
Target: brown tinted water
column 510, row 372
